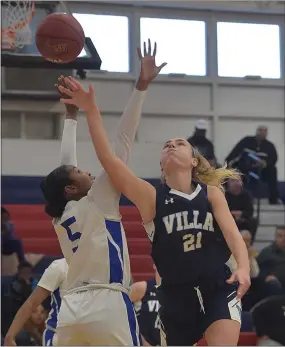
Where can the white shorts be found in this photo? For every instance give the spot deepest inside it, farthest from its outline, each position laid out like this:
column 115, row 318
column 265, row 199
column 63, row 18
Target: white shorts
column 97, row 317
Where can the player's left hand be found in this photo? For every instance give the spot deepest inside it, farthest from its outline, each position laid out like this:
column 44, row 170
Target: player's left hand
column 71, row 110
column 243, row 278
column 77, row 95
column 149, row 69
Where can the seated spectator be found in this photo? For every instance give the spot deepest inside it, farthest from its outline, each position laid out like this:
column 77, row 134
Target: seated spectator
column 269, row 321
column 266, row 151
column 21, row 286
column 241, row 206
column 18, row 290
column 259, row 289
column 271, row 259
column 199, row 141
column 9, row 243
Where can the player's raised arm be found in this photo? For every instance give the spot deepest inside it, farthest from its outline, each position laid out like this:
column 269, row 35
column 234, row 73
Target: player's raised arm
column 68, row 141
column 128, row 124
column 140, row 192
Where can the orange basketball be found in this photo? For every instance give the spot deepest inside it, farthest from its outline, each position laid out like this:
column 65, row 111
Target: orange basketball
column 60, row 38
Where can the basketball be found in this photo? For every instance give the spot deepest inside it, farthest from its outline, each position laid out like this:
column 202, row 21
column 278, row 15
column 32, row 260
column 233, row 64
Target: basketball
column 60, row 38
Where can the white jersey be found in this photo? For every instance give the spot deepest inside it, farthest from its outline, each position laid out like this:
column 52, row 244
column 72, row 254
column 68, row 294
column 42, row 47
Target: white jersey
column 90, row 231
column 93, row 244
column 54, row 280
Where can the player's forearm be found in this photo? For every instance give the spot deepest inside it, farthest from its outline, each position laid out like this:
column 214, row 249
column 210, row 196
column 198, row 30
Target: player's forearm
column 20, row 319
column 238, row 249
column 129, row 122
column 68, row 142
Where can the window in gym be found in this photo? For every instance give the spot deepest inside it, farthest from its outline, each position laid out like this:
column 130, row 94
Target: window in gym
column 110, row 35
column 248, row 49
column 181, row 43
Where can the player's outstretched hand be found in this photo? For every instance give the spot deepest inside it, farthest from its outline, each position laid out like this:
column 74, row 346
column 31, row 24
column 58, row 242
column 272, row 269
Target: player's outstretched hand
column 71, row 110
column 149, row 69
column 77, row 95
column 243, row 278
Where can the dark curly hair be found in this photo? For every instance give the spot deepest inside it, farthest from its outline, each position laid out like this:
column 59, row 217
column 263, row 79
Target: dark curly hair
column 53, row 187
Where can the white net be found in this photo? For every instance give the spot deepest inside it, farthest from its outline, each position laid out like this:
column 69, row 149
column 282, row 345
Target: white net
column 15, row 30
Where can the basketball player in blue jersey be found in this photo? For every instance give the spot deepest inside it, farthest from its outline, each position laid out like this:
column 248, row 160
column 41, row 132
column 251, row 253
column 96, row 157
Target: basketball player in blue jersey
column 96, row 309
column 193, row 234
column 144, row 296
column 51, row 283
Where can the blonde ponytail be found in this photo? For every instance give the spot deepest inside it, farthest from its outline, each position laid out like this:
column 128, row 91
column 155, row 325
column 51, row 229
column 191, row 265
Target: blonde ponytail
column 205, row 173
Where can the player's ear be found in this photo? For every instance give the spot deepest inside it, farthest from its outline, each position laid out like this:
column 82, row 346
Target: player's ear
column 194, row 162
column 69, row 189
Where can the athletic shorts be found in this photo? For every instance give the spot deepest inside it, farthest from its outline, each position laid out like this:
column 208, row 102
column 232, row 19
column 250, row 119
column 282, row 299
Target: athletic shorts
column 187, row 313
column 49, row 338
column 97, row 317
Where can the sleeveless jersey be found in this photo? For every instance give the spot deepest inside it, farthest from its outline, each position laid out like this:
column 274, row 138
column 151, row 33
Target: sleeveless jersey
column 147, row 314
column 54, row 280
column 187, row 245
column 93, row 245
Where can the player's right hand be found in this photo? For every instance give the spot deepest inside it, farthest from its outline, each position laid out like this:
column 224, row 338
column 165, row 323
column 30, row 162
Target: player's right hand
column 9, row 341
column 77, row 95
column 243, row 278
column 71, row 110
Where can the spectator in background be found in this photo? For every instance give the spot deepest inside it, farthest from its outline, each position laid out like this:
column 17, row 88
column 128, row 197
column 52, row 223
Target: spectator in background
column 10, row 244
column 271, row 259
column 266, row 151
column 269, row 321
column 259, row 288
column 21, row 286
column 17, row 291
column 241, row 206
column 199, row 141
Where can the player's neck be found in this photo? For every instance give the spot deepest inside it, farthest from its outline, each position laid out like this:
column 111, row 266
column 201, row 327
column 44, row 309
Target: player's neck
column 181, row 181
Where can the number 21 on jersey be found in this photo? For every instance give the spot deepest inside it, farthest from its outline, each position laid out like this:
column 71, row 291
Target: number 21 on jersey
column 74, row 237
column 192, row 242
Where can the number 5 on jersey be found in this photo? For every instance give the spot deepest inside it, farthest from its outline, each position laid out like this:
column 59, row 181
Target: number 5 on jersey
column 73, row 237
column 192, row 242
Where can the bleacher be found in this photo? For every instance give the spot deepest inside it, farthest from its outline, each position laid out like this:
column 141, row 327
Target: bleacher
column 270, row 217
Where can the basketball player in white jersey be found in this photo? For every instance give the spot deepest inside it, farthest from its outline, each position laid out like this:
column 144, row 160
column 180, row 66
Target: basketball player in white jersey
column 51, row 283
column 96, row 309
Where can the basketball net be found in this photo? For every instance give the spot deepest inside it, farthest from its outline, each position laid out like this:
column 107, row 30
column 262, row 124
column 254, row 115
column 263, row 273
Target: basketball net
column 16, row 17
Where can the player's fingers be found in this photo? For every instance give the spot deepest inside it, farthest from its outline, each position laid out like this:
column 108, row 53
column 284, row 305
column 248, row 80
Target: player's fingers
column 65, row 91
column 67, row 101
column 231, row 279
column 70, row 84
column 242, row 288
column 149, row 47
column 161, row 66
column 75, row 82
column 144, row 49
column 139, row 53
column 154, row 50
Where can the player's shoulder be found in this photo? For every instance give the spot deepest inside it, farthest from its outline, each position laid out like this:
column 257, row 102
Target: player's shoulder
column 73, row 209
column 59, row 265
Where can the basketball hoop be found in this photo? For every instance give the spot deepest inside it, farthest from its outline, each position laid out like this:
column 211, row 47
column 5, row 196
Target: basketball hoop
column 16, row 17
